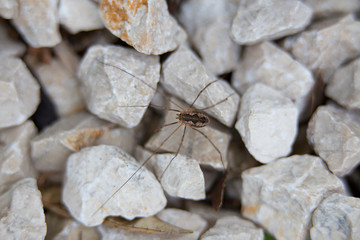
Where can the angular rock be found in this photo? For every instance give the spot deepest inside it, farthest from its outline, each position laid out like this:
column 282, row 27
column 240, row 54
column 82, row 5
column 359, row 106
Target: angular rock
column 92, row 181
column 208, row 24
column 15, row 162
column 8, row 45
column 145, row 25
column 330, row 7
column 344, row 85
column 328, row 44
column 50, row 149
column 337, row 217
column 124, row 138
column 267, row 123
column 335, row 136
column 233, row 228
column 80, row 15
column 268, row 64
column 268, row 20
column 20, row 93
column 288, row 190
column 118, row 83
column 22, row 213
column 184, row 76
column 37, row 22
column 9, row 8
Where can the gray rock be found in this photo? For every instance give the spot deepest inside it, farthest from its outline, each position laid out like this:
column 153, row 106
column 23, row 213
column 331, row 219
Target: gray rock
column 9, row 46
column 9, row 8
column 331, row 7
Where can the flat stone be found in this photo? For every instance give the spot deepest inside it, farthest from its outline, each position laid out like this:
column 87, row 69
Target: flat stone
column 18, row 220
column 331, row 7
column 267, row 123
column 37, row 22
column 328, row 44
column 288, row 190
column 50, row 149
column 118, row 83
column 20, row 92
column 15, row 162
column 8, row 9
column 184, row 76
column 268, row 64
column 8, row 45
column 80, row 15
column 335, row 136
column 344, row 85
column 269, row 19
column 92, row 181
column 337, row 217
column 208, row 23
column 145, row 25
column 233, row 228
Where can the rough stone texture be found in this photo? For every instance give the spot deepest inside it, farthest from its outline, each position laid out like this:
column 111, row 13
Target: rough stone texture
column 329, row 7
column 288, row 190
column 328, row 44
column 183, row 178
column 15, row 162
column 269, row 19
column 20, row 93
column 233, row 228
column 335, row 136
column 185, row 76
column 17, row 219
column 50, row 149
column 124, row 138
column 110, row 89
column 267, row 123
column 37, row 22
column 337, row 217
column 79, row 15
column 344, row 86
column 9, row 8
column 92, row 178
column 208, row 25
column 62, row 87
column 145, row 25
column 268, row 64
column 9, row 46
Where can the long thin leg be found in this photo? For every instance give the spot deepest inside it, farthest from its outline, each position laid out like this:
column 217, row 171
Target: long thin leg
column 202, row 90
column 211, row 106
column 221, row 158
column 177, row 152
column 165, row 125
column 137, row 170
column 150, row 105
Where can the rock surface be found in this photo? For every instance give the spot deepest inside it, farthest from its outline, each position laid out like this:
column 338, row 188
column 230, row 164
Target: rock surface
column 118, row 83
column 288, row 190
column 93, row 177
column 9, row 8
column 8, row 45
column 145, row 25
column 330, row 7
column 267, row 123
column 335, row 136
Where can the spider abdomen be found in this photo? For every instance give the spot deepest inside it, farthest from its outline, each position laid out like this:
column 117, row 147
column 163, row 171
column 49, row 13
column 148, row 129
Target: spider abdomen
column 193, row 118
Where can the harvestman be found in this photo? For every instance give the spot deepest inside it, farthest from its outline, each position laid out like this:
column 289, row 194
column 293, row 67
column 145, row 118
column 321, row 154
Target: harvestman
column 191, row 117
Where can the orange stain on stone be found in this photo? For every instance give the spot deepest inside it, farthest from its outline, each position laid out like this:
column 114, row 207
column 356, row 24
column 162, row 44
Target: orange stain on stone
column 83, row 138
column 136, row 4
column 250, row 210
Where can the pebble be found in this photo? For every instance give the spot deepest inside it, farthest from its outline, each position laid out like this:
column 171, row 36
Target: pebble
column 267, row 123
column 331, row 7
column 335, row 135
column 288, row 190
column 9, row 9
column 145, row 25
column 20, row 92
column 8, row 45
column 109, row 88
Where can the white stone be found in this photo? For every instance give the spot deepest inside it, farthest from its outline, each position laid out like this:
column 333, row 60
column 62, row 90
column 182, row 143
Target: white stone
column 9, row 8
column 288, row 190
column 22, row 213
column 267, row 20
column 8, row 45
column 50, row 149
column 267, row 123
column 110, row 88
column 329, row 7
column 337, row 217
column 15, row 162
column 145, row 25
column 344, row 85
column 208, row 25
column 79, row 15
column 335, row 136
column 268, row 64
column 92, row 181
column 233, row 228
column 183, row 178
column 37, row 22
column 326, row 45
column 20, row 92
column 184, row 76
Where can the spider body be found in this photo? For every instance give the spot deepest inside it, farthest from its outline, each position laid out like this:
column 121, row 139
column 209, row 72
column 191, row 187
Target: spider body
column 193, row 118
